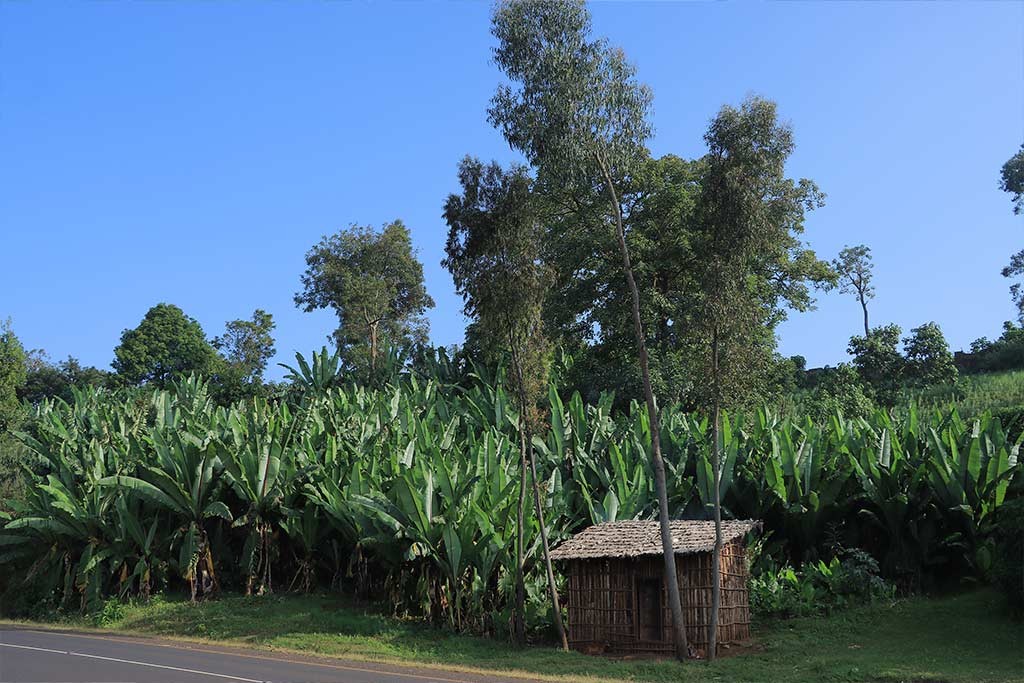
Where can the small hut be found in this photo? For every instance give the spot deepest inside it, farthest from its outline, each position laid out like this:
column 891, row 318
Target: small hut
column 616, row 596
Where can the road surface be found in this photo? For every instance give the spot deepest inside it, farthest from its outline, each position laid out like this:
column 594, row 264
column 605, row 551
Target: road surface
column 30, row 656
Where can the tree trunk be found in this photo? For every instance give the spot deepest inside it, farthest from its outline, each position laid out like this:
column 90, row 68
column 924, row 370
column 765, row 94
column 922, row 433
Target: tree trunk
column 552, row 588
column 716, row 466
column 864, row 305
column 525, row 435
column 675, row 604
column 519, row 613
column 373, row 346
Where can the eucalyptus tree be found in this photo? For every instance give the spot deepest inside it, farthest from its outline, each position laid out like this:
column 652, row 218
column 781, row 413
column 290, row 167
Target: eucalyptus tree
column 494, row 253
column 12, row 377
column 752, row 263
column 578, row 114
column 854, row 268
column 374, row 283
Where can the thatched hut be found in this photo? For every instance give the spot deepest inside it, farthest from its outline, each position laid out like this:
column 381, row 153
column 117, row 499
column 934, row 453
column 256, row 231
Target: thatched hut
column 616, row 596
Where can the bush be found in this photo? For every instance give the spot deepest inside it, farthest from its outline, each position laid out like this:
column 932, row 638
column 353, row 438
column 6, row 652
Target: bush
column 839, row 390
column 819, row 588
column 1008, row 564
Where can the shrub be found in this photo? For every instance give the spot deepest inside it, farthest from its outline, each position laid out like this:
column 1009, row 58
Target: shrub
column 1008, row 564
column 819, row 588
column 839, row 390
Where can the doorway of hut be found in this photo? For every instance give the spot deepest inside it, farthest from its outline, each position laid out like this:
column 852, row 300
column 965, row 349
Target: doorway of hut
column 648, row 602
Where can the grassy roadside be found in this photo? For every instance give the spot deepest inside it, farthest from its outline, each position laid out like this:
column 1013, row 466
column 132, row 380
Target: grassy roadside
column 959, row 639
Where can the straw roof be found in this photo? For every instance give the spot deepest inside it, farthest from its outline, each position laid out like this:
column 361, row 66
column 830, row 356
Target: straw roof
column 642, row 538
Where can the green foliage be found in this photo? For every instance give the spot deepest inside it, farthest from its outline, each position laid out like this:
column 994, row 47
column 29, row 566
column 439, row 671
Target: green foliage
column 1011, row 179
column 879, row 363
column 374, row 283
column 854, row 269
column 1008, row 565
column 1005, row 353
column 494, row 247
column 408, row 492
column 167, row 345
column 245, row 348
column 819, row 587
column 12, row 377
column 839, row 390
column 751, row 262
column 929, row 361
column 57, row 380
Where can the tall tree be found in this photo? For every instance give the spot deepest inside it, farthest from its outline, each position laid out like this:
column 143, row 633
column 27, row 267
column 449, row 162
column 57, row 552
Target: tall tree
column 167, row 344
column 494, row 248
column 374, row 283
column 245, row 347
column 12, row 377
column 578, row 114
column 588, row 312
column 1012, row 181
column 752, row 261
column 854, row 268
column 928, row 358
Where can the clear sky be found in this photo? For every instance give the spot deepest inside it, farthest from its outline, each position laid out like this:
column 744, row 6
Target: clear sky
column 191, row 152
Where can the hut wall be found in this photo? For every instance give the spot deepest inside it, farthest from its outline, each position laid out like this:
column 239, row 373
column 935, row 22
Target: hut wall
column 604, row 606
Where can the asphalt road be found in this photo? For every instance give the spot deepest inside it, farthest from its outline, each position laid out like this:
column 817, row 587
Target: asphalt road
column 29, row 656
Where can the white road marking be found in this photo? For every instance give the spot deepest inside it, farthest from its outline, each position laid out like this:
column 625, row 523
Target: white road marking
column 326, row 665
column 136, row 663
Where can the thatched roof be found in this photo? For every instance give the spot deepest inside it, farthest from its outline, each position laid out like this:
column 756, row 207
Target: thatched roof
column 637, row 539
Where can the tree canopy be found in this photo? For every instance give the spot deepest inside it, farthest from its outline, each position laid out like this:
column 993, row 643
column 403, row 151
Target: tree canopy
column 166, row 345
column 12, row 376
column 1011, row 179
column 855, row 272
column 372, row 280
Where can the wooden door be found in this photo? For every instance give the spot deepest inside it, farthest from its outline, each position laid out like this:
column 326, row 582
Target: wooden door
column 648, row 598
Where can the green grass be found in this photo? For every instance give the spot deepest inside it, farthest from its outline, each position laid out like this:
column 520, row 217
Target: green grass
column 964, row 638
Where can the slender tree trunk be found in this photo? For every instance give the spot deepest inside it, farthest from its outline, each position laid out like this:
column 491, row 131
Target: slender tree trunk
column 675, row 603
column 864, row 305
column 526, row 435
column 373, row 346
column 552, row 588
column 519, row 614
column 716, row 466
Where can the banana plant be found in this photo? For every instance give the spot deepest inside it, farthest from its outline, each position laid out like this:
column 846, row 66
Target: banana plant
column 184, row 482
column 258, row 468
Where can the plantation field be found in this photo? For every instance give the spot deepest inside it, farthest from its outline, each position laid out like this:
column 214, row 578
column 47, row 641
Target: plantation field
column 967, row 638
column 406, row 495
column 974, row 394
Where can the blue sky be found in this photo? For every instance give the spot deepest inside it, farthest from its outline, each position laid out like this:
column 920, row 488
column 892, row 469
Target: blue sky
column 191, row 152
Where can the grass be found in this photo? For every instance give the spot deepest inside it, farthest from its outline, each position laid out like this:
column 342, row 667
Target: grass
column 964, row 638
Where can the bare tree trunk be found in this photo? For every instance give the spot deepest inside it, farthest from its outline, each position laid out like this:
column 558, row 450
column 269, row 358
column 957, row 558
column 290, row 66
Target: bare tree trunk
column 675, row 603
column 373, row 346
column 716, row 466
column 519, row 613
column 864, row 305
column 525, row 435
column 552, row 588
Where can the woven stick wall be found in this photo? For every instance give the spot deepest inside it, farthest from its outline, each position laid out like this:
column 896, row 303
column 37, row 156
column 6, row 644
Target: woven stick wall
column 605, row 614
